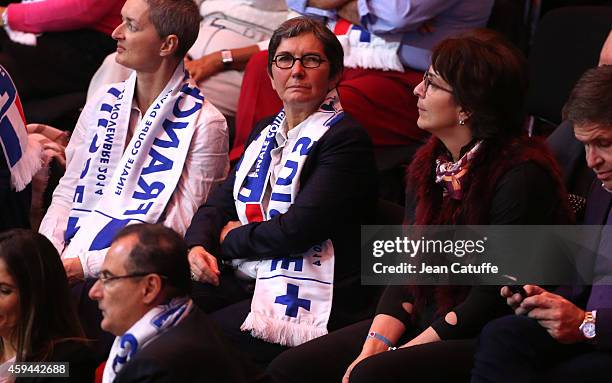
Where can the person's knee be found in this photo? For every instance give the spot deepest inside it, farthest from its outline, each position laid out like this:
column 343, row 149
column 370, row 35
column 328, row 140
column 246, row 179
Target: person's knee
column 282, row 368
column 368, row 370
column 506, row 330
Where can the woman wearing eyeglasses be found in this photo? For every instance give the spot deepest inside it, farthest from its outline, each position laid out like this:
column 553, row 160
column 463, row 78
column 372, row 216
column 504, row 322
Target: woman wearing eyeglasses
column 478, row 168
column 38, row 322
column 286, row 222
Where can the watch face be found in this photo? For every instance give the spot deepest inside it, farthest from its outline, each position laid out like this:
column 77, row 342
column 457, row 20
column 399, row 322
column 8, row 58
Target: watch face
column 226, row 57
column 588, row 329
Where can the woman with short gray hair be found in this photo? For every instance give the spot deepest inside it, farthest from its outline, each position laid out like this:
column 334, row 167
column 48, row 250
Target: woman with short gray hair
column 287, row 218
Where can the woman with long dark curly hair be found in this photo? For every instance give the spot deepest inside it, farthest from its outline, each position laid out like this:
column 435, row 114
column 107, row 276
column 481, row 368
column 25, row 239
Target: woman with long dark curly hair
column 478, row 168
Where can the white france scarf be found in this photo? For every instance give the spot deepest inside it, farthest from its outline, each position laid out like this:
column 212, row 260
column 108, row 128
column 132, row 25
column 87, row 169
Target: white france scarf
column 23, row 156
column 117, row 187
column 149, row 327
column 293, row 294
column 363, row 49
column 25, row 38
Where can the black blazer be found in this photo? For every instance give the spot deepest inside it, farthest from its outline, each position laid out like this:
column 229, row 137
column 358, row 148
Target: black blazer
column 338, row 192
column 599, row 203
column 192, row 351
column 569, row 153
column 579, row 179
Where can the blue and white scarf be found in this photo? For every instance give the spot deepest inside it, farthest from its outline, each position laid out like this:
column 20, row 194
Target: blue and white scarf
column 149, row 327
column 363, row 49
column 23, row 156
column 293, row 294
column 117, row 187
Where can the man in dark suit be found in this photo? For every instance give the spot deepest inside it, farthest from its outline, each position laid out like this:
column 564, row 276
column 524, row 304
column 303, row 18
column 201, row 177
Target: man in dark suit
column 143, row 292
column 569, row 152
column 566, row 335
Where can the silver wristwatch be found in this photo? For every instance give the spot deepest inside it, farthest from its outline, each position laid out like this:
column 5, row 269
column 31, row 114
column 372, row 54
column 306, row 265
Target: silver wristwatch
column 226, row 58
column 588, row 324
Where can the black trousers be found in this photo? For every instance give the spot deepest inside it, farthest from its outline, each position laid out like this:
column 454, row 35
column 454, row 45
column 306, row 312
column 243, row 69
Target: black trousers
column 231, row 290
column 230, row 318
column 230, row 302
column 326, row 359
column 517, row 349
column 228, row 305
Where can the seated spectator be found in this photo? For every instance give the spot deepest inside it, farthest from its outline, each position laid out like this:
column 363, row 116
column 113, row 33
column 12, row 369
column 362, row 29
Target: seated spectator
column 54, row 47
column 478, row 168
column 21, row 158
column 288, row 216
column 387, row 48
column 570, row 154
column 228, row 32
column 143, row 293
column 560, row 336
column 39, row 322
column 225, row 44
column 145, row 150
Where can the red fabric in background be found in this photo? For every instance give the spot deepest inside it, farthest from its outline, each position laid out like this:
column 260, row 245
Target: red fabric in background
column 65, row 15
column 381, row 101
column 99, row 372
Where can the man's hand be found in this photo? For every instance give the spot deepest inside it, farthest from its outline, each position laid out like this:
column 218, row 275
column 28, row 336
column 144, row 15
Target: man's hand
column 514, row 300
column 204, row 67
column 204, row 266
column 560, row 317
column 427, row 27
column 2, row 10
column 350, row 12
column 231, row 225
column 327, row 4
column 74, row 269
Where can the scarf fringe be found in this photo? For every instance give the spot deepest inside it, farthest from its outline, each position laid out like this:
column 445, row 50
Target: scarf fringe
column 30, row 162
column 279, row 331
column 23, row 38
column 380, row 57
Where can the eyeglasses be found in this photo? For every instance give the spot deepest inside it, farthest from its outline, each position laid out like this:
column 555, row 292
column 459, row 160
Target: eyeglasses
column 427, row 82
column 105, row 278
column 286, row 61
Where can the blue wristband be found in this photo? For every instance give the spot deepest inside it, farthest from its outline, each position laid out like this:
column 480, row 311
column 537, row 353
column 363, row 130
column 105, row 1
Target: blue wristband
column 381, row 338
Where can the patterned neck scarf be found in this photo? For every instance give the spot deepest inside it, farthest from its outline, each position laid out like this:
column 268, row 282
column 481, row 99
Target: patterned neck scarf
column 451, row 175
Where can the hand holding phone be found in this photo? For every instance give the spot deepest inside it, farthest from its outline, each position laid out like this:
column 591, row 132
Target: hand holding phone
column 518, row 289
column 509, row 292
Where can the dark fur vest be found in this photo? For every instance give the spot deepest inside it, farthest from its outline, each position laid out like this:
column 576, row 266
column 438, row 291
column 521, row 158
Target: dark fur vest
column 491, row 163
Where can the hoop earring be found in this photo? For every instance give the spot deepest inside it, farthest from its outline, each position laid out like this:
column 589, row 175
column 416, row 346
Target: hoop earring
column 462, row 122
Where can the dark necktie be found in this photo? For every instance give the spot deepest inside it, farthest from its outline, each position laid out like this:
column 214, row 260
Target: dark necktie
column 601, row 293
